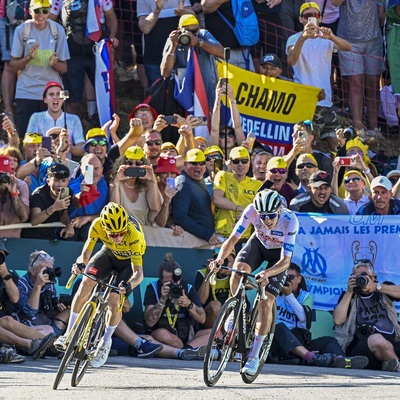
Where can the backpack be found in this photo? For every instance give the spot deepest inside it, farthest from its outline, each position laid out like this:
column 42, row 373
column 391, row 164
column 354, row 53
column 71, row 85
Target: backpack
column 17, row 11
column 52, row 25
column 246, row 22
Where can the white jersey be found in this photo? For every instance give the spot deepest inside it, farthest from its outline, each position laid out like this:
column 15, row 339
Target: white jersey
column 283, row 235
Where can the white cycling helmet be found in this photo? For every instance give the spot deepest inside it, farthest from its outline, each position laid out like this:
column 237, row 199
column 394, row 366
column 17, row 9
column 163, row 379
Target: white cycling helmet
column 267, row 201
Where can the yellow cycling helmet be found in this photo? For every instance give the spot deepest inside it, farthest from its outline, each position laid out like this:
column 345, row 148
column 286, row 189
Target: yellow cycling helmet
column 114, row 218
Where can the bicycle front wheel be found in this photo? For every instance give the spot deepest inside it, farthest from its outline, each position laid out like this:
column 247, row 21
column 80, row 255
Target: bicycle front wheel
column 221, row 342
column 77, row 335
column 265, row 348
column 95, row 334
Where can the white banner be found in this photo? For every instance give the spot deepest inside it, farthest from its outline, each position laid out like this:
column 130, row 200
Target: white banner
column 327, row 246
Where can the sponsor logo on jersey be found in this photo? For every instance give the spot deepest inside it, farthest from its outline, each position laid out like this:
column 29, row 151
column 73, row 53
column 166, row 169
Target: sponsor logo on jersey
column 277, row 233
column 240, row 229
column 92, row 271
column 135, row 223
column 288, row 247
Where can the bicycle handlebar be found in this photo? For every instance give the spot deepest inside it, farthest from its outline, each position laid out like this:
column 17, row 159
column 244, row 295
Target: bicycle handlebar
column 93, row 278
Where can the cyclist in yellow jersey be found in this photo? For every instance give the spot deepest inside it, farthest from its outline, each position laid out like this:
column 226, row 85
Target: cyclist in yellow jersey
column 122, row 251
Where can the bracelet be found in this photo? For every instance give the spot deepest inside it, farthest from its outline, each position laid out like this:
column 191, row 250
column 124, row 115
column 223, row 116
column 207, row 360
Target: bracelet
column 14, row 194
column 7, row 277
column 171, row 54
column 367, row 171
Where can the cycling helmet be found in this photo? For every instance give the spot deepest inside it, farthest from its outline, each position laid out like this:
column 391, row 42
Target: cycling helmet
column 114, row 218
column 267, row 201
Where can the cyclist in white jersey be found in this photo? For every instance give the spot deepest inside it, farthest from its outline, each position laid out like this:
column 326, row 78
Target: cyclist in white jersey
column 275, row 230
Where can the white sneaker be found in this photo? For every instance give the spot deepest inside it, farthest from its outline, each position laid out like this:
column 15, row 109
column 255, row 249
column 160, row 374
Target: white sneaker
column 251, row 366
column 60, row 343
column 101, row 355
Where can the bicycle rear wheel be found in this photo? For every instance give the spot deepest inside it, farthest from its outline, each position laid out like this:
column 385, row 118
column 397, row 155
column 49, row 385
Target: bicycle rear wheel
column 73, row 345
column 265, row 348
column 95, row 334
column 221, row 342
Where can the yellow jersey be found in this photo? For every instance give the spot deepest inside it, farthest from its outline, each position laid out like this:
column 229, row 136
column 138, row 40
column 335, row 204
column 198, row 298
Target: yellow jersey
column 132, row 246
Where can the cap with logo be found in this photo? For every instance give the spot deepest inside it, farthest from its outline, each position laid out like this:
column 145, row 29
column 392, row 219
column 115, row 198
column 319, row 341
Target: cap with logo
column 166, row 164
column 5, row 164
column 310, row 4
column 142, row 105
column 320, row 178
column 272, row 59
column 134, row 153
column 95, row 134
column 32, row 138
column 277, row 162
column 59, row 171
column 212, row 150
column 35, row 4
column 381, row 181
column 195, row 155
column 51, row 84
column 306, row 157
column 187, row 20
column 239, row 152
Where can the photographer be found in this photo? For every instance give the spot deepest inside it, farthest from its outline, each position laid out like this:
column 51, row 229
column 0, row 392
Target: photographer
column 175, row 55
column 172, row 309
column 366, row 319
column 14, row 199
column 38, row 297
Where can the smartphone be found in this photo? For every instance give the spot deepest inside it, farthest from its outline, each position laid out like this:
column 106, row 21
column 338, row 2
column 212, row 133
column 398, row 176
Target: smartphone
column 64, row 94
column 313, row 20
column 64, row 192
column 218, row 165
column 136, row 172
column 223, row 81
column 46, row 142
column 302, row 134
column 347, row 161
column 170, row 182
column 88, row 175
column 170, row 119
column 203, row 119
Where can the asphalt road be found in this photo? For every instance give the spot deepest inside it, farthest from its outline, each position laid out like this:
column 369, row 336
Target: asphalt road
column 127, row 378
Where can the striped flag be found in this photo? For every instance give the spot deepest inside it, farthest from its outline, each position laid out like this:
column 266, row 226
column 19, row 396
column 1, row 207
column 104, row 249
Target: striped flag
column 105, row 90
column 191, row 95
column 93, row 25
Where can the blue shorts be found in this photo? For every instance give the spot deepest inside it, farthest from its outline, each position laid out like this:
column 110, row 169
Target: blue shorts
column 365, row 58
column 6, row 37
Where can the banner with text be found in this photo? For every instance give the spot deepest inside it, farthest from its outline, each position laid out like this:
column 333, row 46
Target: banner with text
column 327, row 246
column 268, row 106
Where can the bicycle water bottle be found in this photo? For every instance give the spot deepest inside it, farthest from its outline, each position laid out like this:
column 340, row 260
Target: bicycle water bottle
column 251, row 138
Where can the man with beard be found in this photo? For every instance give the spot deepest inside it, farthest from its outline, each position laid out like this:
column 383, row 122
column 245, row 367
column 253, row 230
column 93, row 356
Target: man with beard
column 320, row 198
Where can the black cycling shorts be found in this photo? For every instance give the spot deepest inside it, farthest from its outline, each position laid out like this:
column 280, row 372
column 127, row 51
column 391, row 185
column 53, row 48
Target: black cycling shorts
column 254, row 254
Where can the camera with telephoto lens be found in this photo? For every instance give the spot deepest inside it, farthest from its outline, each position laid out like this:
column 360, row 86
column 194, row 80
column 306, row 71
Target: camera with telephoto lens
column 349, row 133
column 53, row 273
column 361, row 282
column 176, row 288
column 4, row 178
column 184, row 38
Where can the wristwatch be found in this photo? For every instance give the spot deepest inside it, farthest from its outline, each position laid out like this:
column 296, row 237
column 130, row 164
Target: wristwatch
column 190, row 306
column 7, row 277
column 378, row 287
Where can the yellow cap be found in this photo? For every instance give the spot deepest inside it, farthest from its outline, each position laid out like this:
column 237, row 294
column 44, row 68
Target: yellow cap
column 213, row 149
column 35, row 4
column 187, row 20
column 32, row 138
column 239, row 152
column 95, row 132
column 169, row 145
column 134, row 153
column 277, row 162
column 311, row 4
column 201, row 139
column 353, row 171
column 303, row 158
column 195, row 155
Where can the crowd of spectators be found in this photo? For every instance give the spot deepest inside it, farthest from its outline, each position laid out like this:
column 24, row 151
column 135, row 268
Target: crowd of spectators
column 187, row 192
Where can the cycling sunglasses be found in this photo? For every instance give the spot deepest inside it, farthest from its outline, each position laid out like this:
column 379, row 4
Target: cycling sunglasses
column 153, row 142
column 116, row 235
column 240, row 160
column 42, row 11
column 138, row 163
column 311, row 15
column 280, row 170
column 356, row 179
column 102, row 143
column 223, row 134
column 306, row 165
column 201, row 163
column 216, row 157
column 268, row 216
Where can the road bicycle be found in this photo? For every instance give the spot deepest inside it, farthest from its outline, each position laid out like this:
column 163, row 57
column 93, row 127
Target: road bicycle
column 234, row 330
column 84, row 337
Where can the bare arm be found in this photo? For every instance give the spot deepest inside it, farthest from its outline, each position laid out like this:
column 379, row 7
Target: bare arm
column 210, row 6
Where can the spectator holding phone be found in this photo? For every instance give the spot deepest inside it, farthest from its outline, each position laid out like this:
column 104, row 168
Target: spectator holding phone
column 134, row 186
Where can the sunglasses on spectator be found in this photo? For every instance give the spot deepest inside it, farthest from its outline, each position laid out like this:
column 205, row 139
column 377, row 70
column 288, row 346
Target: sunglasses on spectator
column 43, row 256
column 42, row 11
column 116, row 235
column 54, row 136
column 310, row 15
column 154, row 142
column 102, row 143
column 355, row 152
column 363, row 261
column 306, row 165
column 223, row 134
column 136, row 162
column 280, row 170
column 291, row 277
column 201, row 163
column 216, row 157
column 268, row 216
column 240, row 160
column 194, row 31
column 348, row 180
column 60, row 174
